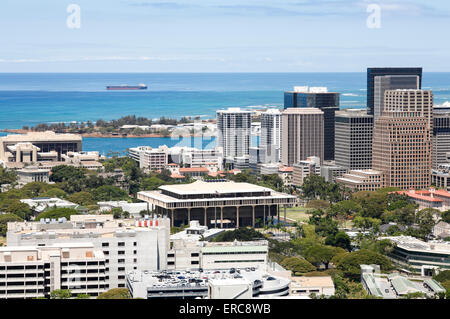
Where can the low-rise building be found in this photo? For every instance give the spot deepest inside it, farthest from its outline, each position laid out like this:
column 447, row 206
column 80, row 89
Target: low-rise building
column 305, row 168
column 35, row 271
column 127, row 244
column 305, row 286
column 33, row 174
column 40, row 204
column 363, row 180
column 418, row 256
column 150, row 158
column 211, row 284
column 134, row 209
column 441, row 230
column 331, row 172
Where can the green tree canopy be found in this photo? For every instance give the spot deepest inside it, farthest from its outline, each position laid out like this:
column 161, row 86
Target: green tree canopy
column 297, row 265
column 321, row 254
column 82, row 198
column 115, row 293
column 5, row 219
column 108, row 193
column 60, row 294
column 239, row 234
column 350, row 263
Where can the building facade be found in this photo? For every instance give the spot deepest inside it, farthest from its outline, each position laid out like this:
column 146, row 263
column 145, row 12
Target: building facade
column 363, row 180
column 302, row 136
column 150, row 158
column 215, row 202
column 441, row 136
column 305, row 168
column 271, row 135
column 374, row 72
column 319, row 97
column 234, row 132
column 354, row 133
column 35, row 271
column 126, row 244
column 402, row 139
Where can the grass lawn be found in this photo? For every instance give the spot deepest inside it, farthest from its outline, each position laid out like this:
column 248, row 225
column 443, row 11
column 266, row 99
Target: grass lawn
column 299, row 214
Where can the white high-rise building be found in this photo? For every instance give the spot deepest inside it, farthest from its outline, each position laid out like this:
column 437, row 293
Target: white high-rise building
column 234, row 132
column 127, row 244
column 271, row 135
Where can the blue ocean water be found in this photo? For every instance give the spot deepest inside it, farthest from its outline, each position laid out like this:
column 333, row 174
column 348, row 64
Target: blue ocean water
column 33, row 98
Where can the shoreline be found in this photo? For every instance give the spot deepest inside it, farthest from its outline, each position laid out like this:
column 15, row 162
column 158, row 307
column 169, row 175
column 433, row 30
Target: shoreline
column 100, row 135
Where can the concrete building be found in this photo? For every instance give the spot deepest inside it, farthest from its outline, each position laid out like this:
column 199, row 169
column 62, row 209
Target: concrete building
column 353, row 139
column 441, row 230
column 208, row 284
column 189, row 253
column 331, row 172
column 303, row 169
column 375, row 283
column 234, row 131
column 40, row 204
column 33, row 174
column 196, row 157
column 402, row 139
column 150, row 158
column 317, row 97
column 391, row 82
column 127, row 244
column 35, row 271
column 418, row 256
column 302, row 135
column 363, row 180
column 441, row 136
column 372, row 73
column 134, row 209
column 36, row 147
column 440, row 177
column 212, row 201
column 305, row 286
column 271, row 135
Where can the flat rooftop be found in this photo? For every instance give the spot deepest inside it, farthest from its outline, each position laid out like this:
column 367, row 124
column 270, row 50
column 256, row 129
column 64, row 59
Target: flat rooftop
column 201, row 187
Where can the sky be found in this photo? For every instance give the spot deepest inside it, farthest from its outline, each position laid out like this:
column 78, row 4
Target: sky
column 223, row 36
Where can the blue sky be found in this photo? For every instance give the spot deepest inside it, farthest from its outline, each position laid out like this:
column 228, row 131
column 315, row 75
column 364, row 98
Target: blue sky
column 222, row 36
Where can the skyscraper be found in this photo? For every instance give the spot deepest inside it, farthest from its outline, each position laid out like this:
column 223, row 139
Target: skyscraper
column 441, row 136
column 353, row 139
column 234, row 131
column 317, row 97
column 271, row 135
column 374, row 72
column 391, row 82
column 302, row 135
column 402, row 139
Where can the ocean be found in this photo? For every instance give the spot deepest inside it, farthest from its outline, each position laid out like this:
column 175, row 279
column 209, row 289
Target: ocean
column 27, row 99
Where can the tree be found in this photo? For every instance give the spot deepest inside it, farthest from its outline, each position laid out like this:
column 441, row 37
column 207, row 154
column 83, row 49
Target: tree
column 83, row 296
column 63, row 173
column 321, row 254
column 60, row 294
column 297, row 265
column 115, row 293
column 82, row 198
column 425, row 221
column 57, row 213
column 5, row 219
column 239, row 234
column 55, row 192
column 341, row 239
column 347, row 289
column 109, row 193
column 151, row 183
column 367, row 223
column 350, row 263
column 446, row 216
column 7, row 176
column 19, row 209
column 344, row 209
column 372, row 203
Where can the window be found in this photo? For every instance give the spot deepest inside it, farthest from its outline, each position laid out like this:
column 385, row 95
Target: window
column 121, row 244
column 121, row 261
column 135, row 244
column 121, row 252
column 121, row 269
column 105, row 244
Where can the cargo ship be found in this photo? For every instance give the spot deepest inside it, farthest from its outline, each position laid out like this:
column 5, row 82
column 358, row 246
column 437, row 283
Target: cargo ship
column 127, row 87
